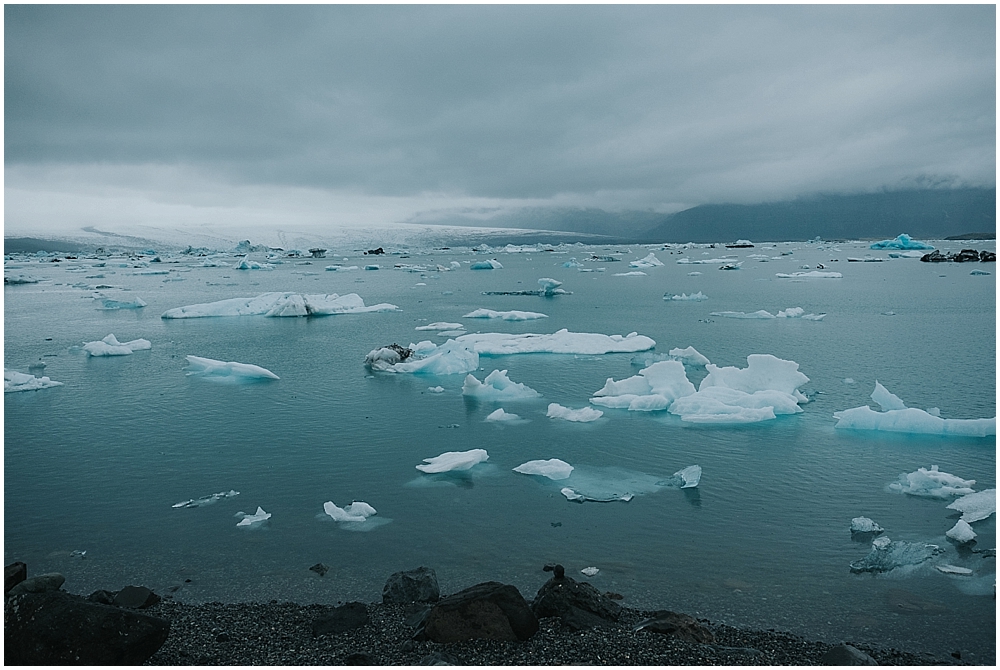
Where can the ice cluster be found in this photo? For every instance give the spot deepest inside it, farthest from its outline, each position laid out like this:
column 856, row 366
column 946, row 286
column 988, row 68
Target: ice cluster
column 279, row 304
column 213, row 369
column 110, row 346
column 932, row 484
column 14, row 381
column 583, row 415
column 902, row 419
column 497, row 387
column 453, row 460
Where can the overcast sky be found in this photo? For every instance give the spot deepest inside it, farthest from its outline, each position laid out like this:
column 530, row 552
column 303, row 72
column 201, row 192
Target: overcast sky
column 375, row 114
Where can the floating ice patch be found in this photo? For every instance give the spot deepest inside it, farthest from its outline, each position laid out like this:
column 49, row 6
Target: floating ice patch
column 255, row 519
column 111, row 304
column 560, row 342
column 976, row 506
column 436, row 389
column 759, row 314
column 14, row 381
column 654, row 388
column 212, row 369
column 425, row 358
column 650, row 261
column 688, row 478
column 583, row 415
column 910, row 419
column 451, row 461
column 961, row 532
column 953, row 569
column 611, row 484
column 902, row 241
column 356, row 512
column 440, row 325
column 886, row 400
column 549, row 286
column 512, row 315
column 553, row 468
column 862, row 524
column 497, row 387
column 634, row 273
column 501, row 415
column 705, row 261
column 590, row 572
column 932, row 484
column 20, row 279
column 886, row 555
column 695, row 297
column 486, row 265
column 279, row 304
column 110, row 346
column 207, row 500
column 688, row 356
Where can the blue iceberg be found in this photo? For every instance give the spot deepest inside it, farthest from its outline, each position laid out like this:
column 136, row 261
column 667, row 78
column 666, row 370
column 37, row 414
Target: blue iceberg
column 903, row 241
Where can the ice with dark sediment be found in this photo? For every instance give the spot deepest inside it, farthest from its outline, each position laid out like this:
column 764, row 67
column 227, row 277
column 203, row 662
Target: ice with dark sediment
column 110, row 346
column 425, row 358
column 886, row 555
column 226, row 371
column 932, row 484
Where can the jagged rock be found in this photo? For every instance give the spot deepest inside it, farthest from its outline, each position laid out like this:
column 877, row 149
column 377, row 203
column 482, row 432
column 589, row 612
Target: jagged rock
column 419, row 585
column 966, row 256
column 57, row 628
column 136, row 597
column 14, row 574
column 51, row 581
column 343, row 618
column 490, row 610
column 845, row 654
column 578, row 604
column 678, row 625
column 987, row 257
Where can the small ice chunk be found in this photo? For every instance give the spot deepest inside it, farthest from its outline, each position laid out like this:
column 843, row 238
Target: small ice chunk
column 512, row 315
column 571, row 494
column 501, row 415
column 849, row 381
column 759, row 314
column 497, row 386
column 207, row 500
column 207, row 367
column 902, row 241
column 279, row 305
column 111, row 304
column 583, row 415
column 961, row 532
column 254, row 519
column 353, row 513
column 590, row 572
column 440, row 325
column 453, row 460
column 862, row 524
column 688, row 478
column 887, row 400
column 953, row 569
column 933, row 484
column 550, row 286
column 634, row 273
column 815, row 273
column 553, row 468
column 976, row 506
column 688, row 356
column 694, row 297
column 912, row 420
column 14, row 381
column 110, row 346
column 491, row 264
column 887, row 555
column 650, row 261
column 436, row 389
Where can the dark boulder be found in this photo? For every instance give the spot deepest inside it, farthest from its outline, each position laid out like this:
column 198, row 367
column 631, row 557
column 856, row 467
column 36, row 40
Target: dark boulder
column 934, row 257
column 375, row 252
column 578, row 604
column 341, row 619
column 490, row 610
column 51, row 581
column 967, row 256
column 678, row 625
column 57, row 628
column 845, row 654
column 14, row 574
column 320, row 569
column 136, row 598
column 419, row 585
column 987, row 257
column 103, row 597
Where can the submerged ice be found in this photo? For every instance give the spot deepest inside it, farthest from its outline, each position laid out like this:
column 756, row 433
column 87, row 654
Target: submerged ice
column 886, row 555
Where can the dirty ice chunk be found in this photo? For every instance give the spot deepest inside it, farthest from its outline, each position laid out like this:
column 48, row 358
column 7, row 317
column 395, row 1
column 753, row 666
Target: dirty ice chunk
column 862, row 524
column 500, row 415
column 453, row 460
column 207, row 367
column 582, row 415
column 590, row 572
column 110, row 346
column 14, row 381
column 448, row 359
column 440, row 325
column 887, row 400
column 688, row 356
column 976, row 506
column 497, row 386
column 254, row 519
column 953, row 569
column 512, row 315
column 912, row 420
column 207, row 500
column 553, row 468
column 961, row 532
column 932, row 484
column 886, row 555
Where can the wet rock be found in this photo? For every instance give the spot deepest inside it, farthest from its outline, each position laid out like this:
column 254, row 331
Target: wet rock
column 678, row 625
column 578, row 604
column 51, row 581
column 987, row 257
column 103, row 597
column 845, row 654
column 490, row 610
column 136, row 597
column 320, row 569
column 341, row 619
column 14, row 574
column 56, row 628
column 418, row 585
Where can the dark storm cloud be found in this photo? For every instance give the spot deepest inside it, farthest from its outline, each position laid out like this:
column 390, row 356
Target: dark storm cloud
column 664, row 104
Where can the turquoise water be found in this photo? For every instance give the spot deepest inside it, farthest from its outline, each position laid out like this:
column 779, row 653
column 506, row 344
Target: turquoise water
column 96, row 465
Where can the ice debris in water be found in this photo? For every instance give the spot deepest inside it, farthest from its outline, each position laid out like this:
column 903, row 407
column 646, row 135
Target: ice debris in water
column 279, row 305
column 355, row 512
column 553, row 468
column 497, row 386
column 961, row 532
column 582, row 415
column 590, row 572
column 932, row 484
column 688, row 478
column 436, row 389
column 862, row 524
column 654, row 388
column 886, row 555
column 512, row 315
column 14, row 381
column 650, row 261
column 110, row 346
column 112, row 304
column 909, row 419
column 501, row 415
column 814, row 273
column 694, row 297
column 453, row 460
column 902, row 241
column 425, row 357
column 976, row 506
column 207, row 500
column 888, row 401
column 210, row 368
column 253, row 519
column 486, row 265
column 440, row 325
column 688, row 356
column 949, row 569
column 560, row 342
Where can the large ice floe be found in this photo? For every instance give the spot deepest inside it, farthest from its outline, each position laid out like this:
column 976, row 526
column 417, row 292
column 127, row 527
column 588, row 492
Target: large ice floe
column 612, row 484
column 552, row 468
column 512, row 315
column 654, row 388
column 110, row 346
column 902, row 241
column 901, row 419
column 222, row 371
column 452, row 461
column 14, row 381
column 441, row 325
column 932, row 484
column 684, row 297
column 976, row 506
column 817, row 274
column 497, row 387
column 886, row 555
column 582, row 415
column 279, row 304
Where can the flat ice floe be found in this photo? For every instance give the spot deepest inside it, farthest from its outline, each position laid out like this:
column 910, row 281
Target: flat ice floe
column 552, row 468
column 862, row 524
column 583, row 415
column 932, row 484
column 790, row 313
column 219, row 370
column 110, row 346
column 251, row 520
column 650, row 261
column 501, row 415
column 14, row 381
column 909, row 419
column 886, row 555
column 207, row 500
column 654, row 388
column 560, row 342
column 976, row 506
column 451, row 461
column 818, row 274
column 684, row 297
column 497, row 387
column 512, row 315
column 279, row 304
column 441, row 325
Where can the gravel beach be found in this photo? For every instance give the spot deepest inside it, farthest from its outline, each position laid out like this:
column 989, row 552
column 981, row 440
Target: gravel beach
column 280, row 633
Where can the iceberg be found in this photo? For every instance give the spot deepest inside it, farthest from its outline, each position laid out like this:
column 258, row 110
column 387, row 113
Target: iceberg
column 815, row 273
column 111, row 304
column 932, row 484
column 246, row 264
column 764, row 372
column 654, row 388
column 560, row 342
column 705, row 261
column 440, row 325
column 553, row 468
column 451, row 461
column 512, row 315
column 486, row 265
column 356, row 512
column 887, row 400
column 253, row 519
column 904, row 419
column 902, row 241
column 110, row 346
column 862, row 524
column 583, row 415
column 886, row 555
column 501, row 415
column 688, row 478
column 550, row 286
column 696, row 297
column 590, row 572
column 688, row 356
column 14, row 381
column 207, row 500
column 212, row 369
column 961, row 532
column 497, row 387
column 976, row 506
column 650, row 261
column 448, row 359
column 280, row 305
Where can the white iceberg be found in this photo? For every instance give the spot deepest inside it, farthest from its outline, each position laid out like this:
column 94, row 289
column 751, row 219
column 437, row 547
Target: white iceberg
column 688, row 478
column 453, row 460
column 254, row 519
column 560, row 342
column 862, row 524
column 246, row 264
column 961, row 532
column 440, row 325
column 110, row 346
column 590, row 572
column 279, row 305
column 819, row 274
column 207, row 367
column 764, row 372
column 654, row 388
column 887, row 400
column 696, row 297
column 356, row 512
column 553, row 468
column 14, row 381
column 112, row 304
column 501, row 415
column 207, row 500
column 497, row 387
column 436, row 389
column 759, row 314
column 551, row 286
column 688, row 356
column 486, row 265
column 976, row 506
column 650, row 261
column 425, row 358
column 909, row 419
column 583, row 415
column 932, row 484
column 512, row 315
column 902, row 241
